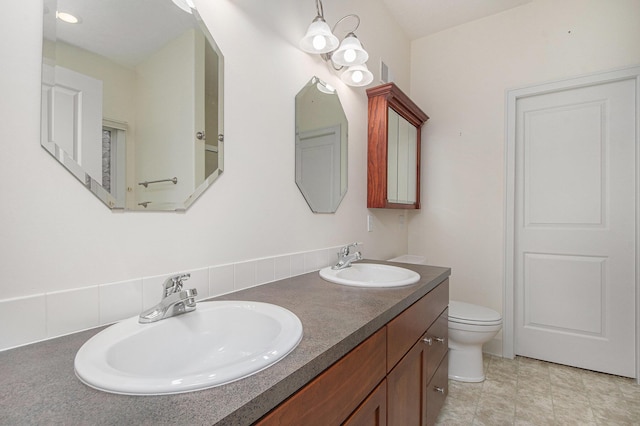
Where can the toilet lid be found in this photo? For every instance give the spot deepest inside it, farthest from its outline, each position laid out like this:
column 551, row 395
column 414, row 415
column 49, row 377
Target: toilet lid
column 472, row 314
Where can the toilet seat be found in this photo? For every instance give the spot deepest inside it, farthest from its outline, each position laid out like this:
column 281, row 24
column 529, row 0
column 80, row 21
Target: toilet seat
column 467, row 313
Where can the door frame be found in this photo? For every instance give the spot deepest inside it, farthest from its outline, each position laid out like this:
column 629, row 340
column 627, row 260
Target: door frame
column 512, row 96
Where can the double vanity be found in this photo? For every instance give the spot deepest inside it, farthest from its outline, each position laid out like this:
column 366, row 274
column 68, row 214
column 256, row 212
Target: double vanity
column 367, row 354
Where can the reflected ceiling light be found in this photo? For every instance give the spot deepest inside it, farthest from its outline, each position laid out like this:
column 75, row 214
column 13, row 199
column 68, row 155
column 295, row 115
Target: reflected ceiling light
column 67, row 17
column 319, row 39
column 186, row 5
column 323, row 86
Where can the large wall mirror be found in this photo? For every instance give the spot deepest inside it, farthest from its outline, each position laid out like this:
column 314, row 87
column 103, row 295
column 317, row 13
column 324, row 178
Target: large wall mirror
column 321, row 146
column 132, row 100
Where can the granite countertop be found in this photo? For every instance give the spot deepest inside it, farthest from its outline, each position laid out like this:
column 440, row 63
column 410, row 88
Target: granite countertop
column 38, row 384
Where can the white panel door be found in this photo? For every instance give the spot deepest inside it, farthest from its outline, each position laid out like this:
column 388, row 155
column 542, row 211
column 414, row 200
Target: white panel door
column 575, row 198
column 72, row 117
column 318, row 168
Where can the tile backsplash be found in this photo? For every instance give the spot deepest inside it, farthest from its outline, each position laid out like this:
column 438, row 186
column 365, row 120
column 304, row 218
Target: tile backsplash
column 44, row 316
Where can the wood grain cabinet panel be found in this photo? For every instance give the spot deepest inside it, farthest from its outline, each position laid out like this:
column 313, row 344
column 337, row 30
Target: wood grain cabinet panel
column 393, row 157
column 416, row 390
column 406, row 397
column 437, row 391
column 330, row 398
column 405, row 329
column 437, row 340
column 397, row 377
column 373, row 411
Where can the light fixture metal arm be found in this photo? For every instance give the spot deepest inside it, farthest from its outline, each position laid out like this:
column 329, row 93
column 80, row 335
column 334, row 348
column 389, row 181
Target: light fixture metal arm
column 351, row 15
column 320, row 9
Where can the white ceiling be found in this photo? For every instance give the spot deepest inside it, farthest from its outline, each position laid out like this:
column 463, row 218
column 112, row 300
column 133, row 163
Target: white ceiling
column 420, row 18
column 114, row 28
column 123, row 30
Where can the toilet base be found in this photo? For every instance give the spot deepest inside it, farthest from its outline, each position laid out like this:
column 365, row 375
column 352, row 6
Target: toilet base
column 465, row 363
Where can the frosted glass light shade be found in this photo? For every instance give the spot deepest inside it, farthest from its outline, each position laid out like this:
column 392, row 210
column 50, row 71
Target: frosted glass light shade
column 357, row 75
column 350, row 52
column 319, row 38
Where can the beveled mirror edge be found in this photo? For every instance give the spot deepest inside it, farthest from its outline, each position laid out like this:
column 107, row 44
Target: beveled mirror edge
column 200, row 189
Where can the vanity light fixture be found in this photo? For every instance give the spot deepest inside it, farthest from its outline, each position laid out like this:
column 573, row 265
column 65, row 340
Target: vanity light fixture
column 320, row 40
column 186, row 5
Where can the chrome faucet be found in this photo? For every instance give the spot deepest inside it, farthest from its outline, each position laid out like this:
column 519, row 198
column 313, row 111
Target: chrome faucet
column 175, row 301
column 345, row 257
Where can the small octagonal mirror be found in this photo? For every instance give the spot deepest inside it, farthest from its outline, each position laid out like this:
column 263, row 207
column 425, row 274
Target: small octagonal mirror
column 321, row 146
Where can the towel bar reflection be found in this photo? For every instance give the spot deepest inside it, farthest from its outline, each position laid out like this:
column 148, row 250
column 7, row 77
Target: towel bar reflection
column 147, row 183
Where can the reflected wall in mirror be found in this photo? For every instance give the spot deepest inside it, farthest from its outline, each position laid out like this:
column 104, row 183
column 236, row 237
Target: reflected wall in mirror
column 132, row 100
column 321, row 146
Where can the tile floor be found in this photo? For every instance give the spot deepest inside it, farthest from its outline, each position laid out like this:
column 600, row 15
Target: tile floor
column 525, row 391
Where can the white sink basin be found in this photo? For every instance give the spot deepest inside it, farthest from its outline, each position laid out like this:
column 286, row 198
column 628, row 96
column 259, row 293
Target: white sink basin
column 219, row 342
column 371, row 275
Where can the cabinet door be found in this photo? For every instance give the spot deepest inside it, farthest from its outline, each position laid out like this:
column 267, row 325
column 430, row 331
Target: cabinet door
column 373, row 411
column 402, row 160
column 406, row 397
column 331, row 397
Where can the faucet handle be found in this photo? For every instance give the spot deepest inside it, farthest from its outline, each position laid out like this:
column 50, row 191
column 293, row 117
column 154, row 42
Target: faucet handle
column 344, row 251
column 174, row 284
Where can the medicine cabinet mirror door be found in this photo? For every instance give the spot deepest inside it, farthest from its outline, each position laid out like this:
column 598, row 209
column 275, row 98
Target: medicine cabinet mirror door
column 402, row 160
column 132, row 101
column 393, row 164
column 321, row 146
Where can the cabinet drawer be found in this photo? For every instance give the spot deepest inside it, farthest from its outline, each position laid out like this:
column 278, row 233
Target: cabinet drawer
column 404, row 330
column 437, row 391
column 437, row 342
column 331, row 397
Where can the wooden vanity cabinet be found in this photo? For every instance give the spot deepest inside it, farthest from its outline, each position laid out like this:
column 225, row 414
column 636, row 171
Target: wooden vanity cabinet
column 397, row 377
column 412, row 397
column 393, row 156
column 335, row 394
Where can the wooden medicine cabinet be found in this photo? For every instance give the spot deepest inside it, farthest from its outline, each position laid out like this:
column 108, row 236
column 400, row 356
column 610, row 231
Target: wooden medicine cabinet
column 393, row 165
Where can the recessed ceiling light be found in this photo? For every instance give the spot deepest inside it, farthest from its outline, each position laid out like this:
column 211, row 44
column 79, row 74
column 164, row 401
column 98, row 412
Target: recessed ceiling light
column 67, row 17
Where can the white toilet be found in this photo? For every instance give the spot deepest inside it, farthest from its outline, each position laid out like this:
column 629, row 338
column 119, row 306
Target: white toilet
column 470, row 326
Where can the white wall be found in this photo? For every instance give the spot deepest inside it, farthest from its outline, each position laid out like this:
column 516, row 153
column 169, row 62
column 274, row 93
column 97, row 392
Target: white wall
column 54, row 235
column 119, row 81
column 459, row 77
column 165, row 93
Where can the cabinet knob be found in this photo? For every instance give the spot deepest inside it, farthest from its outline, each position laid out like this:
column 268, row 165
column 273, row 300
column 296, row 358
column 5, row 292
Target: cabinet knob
column 429, row 340
column 438, row 389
